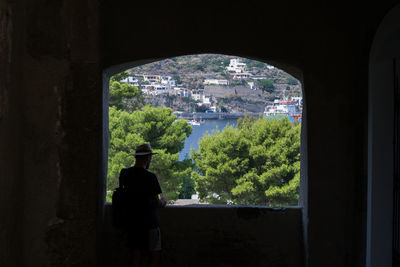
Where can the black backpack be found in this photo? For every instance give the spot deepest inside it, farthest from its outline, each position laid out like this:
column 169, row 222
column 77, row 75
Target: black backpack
column 119, row 208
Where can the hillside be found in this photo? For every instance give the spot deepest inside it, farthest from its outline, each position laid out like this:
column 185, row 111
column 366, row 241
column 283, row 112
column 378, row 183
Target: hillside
column 191, row 71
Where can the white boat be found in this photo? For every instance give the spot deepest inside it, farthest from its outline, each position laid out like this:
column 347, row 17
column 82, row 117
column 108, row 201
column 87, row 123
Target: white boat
column 283, row 108
column 194, row 122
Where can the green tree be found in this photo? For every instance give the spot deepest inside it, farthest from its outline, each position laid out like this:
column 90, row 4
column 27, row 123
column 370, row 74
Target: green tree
column 177, row 79
column 255, row 64
column 201, row 108
column 258, row 162
column 222, row 158
column 226, row 61
column 187, row 189
column 119, row 76
column 125, row 96
column 160, row 128
column 246, row 122
column 266, row 85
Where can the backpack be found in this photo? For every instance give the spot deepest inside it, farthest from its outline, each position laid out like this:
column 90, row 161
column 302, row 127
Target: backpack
column 119, row 208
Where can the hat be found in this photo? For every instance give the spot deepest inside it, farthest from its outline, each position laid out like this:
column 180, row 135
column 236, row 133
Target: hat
column 142, row 150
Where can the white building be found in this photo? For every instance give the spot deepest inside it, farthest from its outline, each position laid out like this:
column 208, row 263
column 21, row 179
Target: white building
column 259, row 77
column 160, row 89
column 168, row 81
column 197, row 94
column 151, row 78
column 130, row 80
column 235, row 66
column 215, row 81
column 206, row 100
column 252, row 85
column 238, row 76
column 183, row 92
column 147, row 89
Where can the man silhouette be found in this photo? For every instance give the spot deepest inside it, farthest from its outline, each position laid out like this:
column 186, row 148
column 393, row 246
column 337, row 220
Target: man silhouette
column 142, row 232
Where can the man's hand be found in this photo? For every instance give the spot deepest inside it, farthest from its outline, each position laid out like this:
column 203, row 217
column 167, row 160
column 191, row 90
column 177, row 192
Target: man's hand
column 162, row 202
column 159, row 203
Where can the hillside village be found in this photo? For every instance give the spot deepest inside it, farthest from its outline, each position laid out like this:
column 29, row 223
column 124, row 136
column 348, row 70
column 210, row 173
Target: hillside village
column 230, row 86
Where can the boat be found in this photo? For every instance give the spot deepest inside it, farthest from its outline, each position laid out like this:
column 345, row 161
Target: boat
column 194, row 122
column 291, row 109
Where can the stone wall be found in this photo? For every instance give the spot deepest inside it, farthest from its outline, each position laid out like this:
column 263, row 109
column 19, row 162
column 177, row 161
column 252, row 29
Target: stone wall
column 220, row 236
column 243, row 91
column 11, row 157
column 50, row 132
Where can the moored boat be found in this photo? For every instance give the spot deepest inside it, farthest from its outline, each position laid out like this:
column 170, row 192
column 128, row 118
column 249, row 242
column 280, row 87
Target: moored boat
column 283, row 108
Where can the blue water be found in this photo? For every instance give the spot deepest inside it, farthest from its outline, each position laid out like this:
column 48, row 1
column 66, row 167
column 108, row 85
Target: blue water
column 199, row 131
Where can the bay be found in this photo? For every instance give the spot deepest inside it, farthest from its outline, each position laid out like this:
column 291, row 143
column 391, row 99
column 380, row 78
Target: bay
column 199, row 131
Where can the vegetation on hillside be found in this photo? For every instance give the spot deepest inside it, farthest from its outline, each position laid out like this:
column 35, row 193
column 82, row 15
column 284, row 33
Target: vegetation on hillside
column 191, row 70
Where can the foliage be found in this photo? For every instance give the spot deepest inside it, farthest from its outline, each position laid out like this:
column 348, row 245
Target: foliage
column 187, row 188
column 119, row 76
column 201, row 108
column 266, row 85
column 170, row 173
column 131, row 124
column 125, row 96
column 225, row 74
column 223, row 109
column 177, row 79
column 226, row 61
column 160, row 128
column 199, row 67
column 258, row 162
column 217, row 69
column 222, row 158
column 254, row 63
column 242, row 82
column 246, row 122
column 291, row 80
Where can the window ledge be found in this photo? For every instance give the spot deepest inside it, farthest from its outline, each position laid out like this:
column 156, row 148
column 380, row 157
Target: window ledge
column 226, row 206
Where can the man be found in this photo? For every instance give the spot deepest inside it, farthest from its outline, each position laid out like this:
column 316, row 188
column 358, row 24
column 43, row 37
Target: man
column 143, row 232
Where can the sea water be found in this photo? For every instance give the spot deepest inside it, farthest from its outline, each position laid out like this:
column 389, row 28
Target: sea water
column 192, row 142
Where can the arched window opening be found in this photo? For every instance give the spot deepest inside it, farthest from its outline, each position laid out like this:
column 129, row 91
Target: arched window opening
column 227, row 129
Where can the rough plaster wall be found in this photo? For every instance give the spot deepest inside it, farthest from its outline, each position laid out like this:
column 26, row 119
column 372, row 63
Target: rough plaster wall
column 10, row 133
column 62, row 132
column 220, row 237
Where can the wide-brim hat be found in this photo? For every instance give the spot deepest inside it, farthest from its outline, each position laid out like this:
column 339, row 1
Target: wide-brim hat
column 142, row 150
